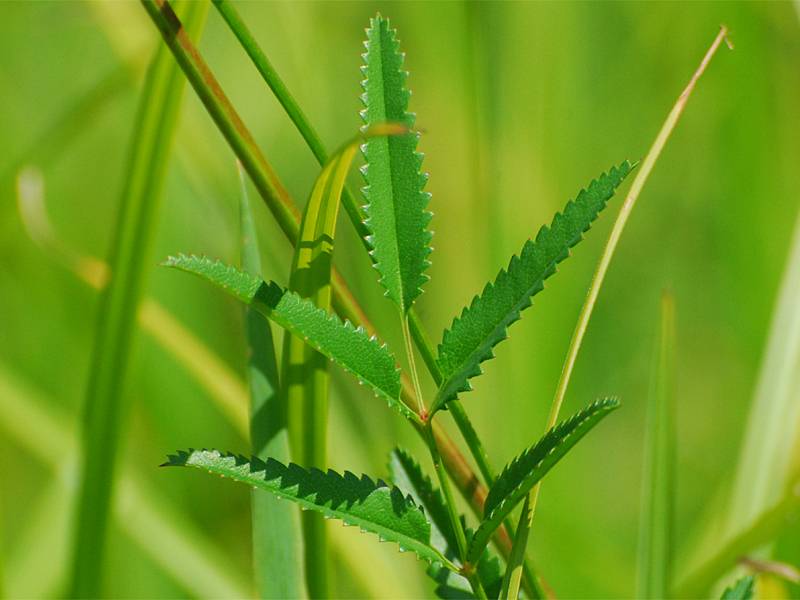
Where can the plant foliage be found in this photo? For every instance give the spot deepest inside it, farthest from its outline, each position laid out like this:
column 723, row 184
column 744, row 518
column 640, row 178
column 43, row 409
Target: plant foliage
column 360, row 501
column 483, row 324
column 528, row 468
column 741, row 590
column 397, row 218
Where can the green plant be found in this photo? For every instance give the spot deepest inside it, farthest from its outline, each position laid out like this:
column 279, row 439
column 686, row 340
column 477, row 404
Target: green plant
column 399, row 241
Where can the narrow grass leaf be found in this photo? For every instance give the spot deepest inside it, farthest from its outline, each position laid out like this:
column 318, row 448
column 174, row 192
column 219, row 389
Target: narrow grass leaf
column 372, row 506
column 397, row 217
column 525, row 471
column 743, row 589
column 276, row 532
column 350, row 347
column 484, row 323
column 655, row 535
column 104, row 410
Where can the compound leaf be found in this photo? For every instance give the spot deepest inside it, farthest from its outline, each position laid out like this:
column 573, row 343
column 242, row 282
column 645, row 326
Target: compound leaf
column 345, row 344
column 484, row 323
column 397, row 218
column 372, row 506
column 519, row 476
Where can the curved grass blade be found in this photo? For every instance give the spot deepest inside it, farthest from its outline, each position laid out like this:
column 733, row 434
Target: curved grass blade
column 741, row 590
column 104, row 410
column 655, row 535
column 483, row 324
column 525, row 471
column 277, row 536
column 372, row 506
column 345, row 344
column 397, row 218
column 305, row 371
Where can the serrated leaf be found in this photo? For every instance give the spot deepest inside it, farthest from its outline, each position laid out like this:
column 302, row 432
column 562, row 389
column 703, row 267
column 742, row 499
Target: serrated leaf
column 396, row 202
column 350, row 347
column 741, row 590
column 372, row 506
column 483, row 324
column 520, row 475
column 452, row 586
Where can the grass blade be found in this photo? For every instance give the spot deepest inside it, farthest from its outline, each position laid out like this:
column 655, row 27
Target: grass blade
column 483, row 324
column 276, row 530
column 773, row 425
column 658, row 487
column 104, row 411
column 305, row 371
column 359, row 501
column 525, row 471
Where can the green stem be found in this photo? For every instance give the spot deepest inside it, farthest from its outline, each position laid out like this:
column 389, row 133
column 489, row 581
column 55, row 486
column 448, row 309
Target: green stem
column 104, row 412
column 516, row 561
column 412, row 365
column 469, row 571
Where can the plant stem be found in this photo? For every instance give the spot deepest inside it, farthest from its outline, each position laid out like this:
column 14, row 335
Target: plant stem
column 470, row 571
column 513, row 574
column 616, row 232
column 104, row 411
column 412, row 365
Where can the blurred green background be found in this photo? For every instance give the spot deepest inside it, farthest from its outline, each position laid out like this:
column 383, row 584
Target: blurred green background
column 521, row 105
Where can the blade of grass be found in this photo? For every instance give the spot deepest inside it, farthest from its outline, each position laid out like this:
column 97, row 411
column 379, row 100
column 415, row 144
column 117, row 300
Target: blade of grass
column 287, row 217
column 170, row 540
column 762, row 530
column 276, row 531
column 773, row 425
column 608, row 252
column 104, row 411
column 655, row 529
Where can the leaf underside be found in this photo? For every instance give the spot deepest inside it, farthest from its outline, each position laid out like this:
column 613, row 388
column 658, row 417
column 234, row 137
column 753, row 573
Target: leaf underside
column 520, row 475
column 741, row 590
column 372, row 506
column 483, row 324
column 349, row 346
column 396, row 203
column 407, row 474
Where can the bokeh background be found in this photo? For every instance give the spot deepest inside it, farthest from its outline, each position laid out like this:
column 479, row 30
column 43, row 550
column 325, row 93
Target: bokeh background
column 521, row 105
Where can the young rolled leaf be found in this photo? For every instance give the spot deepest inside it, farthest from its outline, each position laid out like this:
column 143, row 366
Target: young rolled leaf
column 372, row 506
column 407, row 474
column 396, row 202
column 348, row 346
column 527, row 470
column 741, row 590
column 483, row 324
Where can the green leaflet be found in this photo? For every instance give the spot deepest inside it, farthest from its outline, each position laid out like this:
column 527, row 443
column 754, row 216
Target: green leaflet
column 276, row 534
column 397, row 218
column 407, row 474
column 741, row 590
column 350, row 347
column 521, row 474
column 373, row 507
column 483, row 324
